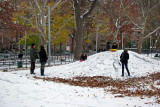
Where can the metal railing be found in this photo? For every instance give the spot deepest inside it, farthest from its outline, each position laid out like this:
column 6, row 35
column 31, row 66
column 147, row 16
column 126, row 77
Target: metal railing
column 12, row 61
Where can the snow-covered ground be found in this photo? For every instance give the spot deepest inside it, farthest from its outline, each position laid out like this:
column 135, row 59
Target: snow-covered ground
column 106, row 64
column 20, row 89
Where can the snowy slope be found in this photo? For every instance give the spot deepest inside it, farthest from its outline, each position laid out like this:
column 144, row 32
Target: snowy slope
column 105, row 64
column 20, row 89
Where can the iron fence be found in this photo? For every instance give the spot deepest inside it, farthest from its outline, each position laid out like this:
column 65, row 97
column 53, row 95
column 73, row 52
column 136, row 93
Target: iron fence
column 12, row 62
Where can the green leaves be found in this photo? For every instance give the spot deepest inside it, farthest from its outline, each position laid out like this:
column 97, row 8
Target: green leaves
column 30, row 39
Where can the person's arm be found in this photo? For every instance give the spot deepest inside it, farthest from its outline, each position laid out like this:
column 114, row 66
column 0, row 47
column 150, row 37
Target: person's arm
column 31, row 54
column 128, row 55
column 36, row 55
column 121, row 55
column 46, row 56
column 39, row 55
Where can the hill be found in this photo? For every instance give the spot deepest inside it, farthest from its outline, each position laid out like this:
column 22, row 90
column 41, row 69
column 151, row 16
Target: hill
column 106, row 64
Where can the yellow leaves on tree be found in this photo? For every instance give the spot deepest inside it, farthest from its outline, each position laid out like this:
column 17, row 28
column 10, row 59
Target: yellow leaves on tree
column 61, row 26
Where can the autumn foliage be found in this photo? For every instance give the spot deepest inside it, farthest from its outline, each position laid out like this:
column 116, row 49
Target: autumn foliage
column 137, row 86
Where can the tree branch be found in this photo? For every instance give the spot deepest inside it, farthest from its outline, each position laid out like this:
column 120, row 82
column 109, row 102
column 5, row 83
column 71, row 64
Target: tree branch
column 38, row 7
column 86, row 14
column 133, row 22
column 32, row 24
column 152, row 32
column 125, row 22
column 56, row 4
column 76, row 8
column 63, row 26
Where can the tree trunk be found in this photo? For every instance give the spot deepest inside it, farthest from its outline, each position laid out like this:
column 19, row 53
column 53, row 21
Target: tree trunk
column 79, row 39
column 139, row 47
column 73, row 36
column 116, row 34
column 79, row 23
column 43, row 42
column 157, row 40
column 79, row 30
column 60, row 49
column 21, row 49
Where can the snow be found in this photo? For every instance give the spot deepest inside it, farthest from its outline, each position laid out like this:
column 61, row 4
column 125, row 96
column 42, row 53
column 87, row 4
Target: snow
column 106, row 64
column 20, row 89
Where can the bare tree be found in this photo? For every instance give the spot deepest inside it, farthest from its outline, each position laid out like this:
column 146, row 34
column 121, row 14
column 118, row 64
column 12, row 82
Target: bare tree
column 157, row 42
column 145, row 8
column 116, row 9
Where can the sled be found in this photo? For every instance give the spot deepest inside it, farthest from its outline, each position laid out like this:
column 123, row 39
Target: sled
column 113, row 50
column 81, row 60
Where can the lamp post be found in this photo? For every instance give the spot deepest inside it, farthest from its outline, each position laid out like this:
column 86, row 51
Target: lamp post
column 150, row 43
column 96, row 38
column 122, row 40
column 25, row 45
column 98, row 24
column 49, row 38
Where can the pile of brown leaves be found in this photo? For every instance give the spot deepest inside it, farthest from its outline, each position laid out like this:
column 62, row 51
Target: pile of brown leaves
column 141, row 86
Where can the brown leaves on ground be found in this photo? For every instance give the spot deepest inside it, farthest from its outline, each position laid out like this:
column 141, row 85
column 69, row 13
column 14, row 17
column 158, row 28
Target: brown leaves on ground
column 14, row 69
column 141, row 86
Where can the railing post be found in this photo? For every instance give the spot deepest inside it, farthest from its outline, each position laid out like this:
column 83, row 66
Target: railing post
column 9, row 64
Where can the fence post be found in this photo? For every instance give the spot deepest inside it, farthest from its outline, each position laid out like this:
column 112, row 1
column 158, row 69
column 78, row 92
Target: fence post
column 9, row 64
column 61, row 59
column 70, row 57
column 65, row 58
column 26, row 63
column 3, row 61
column 54, row 60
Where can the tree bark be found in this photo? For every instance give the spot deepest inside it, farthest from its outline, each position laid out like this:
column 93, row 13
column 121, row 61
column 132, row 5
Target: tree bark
column 79, row 40
column 139, row 47
column 157, row 41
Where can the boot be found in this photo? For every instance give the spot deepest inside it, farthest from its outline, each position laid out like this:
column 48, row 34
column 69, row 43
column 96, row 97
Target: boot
column 32, row 72
column 42, row 72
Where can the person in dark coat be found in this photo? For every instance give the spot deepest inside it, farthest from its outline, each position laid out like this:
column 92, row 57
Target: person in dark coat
column 33, row 57
column 83, row 57
column 108, row 46
column 124, row 60
column 114, row 46
column 43, row 59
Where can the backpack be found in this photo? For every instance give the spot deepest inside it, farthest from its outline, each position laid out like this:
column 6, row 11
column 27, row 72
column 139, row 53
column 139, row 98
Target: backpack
column 122, row 57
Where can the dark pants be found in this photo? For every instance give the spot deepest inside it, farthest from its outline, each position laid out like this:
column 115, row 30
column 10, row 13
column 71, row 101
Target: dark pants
column 42, row 67
column 32, row 66
column 126, row 65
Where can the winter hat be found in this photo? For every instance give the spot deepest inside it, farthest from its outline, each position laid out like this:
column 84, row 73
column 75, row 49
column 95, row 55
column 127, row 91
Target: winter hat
column 33, row 44
column 125, row 50
column 42, row 47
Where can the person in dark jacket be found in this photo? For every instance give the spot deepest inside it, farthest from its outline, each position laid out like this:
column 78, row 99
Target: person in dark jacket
column 43, row 59
column 124, row 60
column 108, row 46
column 33, row 57
column 83, row 57
column 114, row 46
